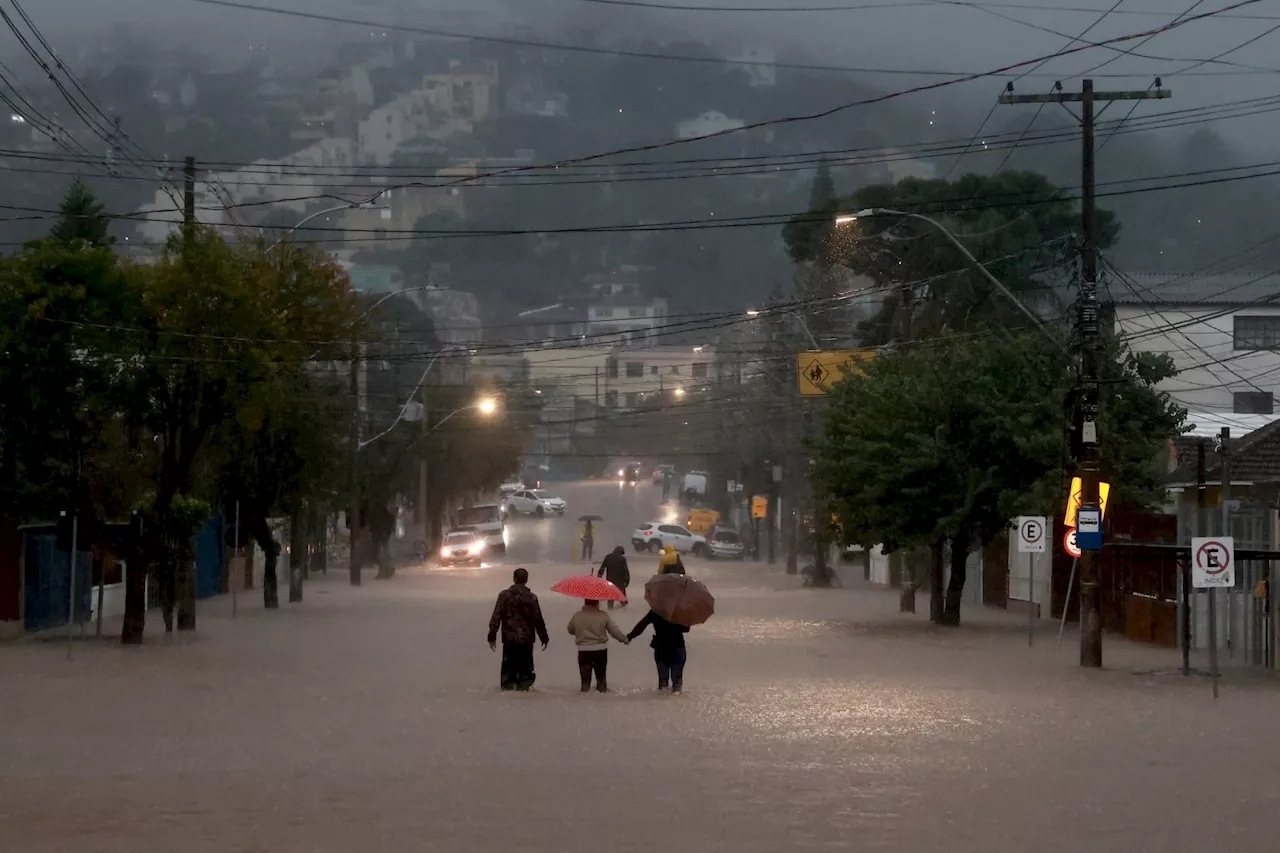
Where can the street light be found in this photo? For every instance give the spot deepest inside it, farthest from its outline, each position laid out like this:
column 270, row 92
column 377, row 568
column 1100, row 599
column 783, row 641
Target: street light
column 679, row 392
column 848, row 218
column 350, row 205
column 487, row 406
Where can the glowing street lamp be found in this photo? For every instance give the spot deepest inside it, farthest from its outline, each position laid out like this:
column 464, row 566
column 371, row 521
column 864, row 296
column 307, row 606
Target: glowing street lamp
column 487, row 405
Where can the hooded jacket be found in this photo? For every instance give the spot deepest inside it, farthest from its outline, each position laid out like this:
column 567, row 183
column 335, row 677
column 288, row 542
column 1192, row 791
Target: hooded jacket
column 669, row 563
column 614, row 568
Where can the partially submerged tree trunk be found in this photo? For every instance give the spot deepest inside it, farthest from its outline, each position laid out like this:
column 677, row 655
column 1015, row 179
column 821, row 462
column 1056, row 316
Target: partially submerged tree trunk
column 135, row 586
column 261, row 532
column 386, row 565
column 904, row 571
column 297, row 555
column 959, row 574
column 184, row 569
column 936, row 600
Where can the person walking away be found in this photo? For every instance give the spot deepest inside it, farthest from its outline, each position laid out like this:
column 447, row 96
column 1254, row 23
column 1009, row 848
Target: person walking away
column 614, row 569
column 588, row 541
column 518, row 616
column 669, row 653
column 666, row 486
column 591, row 628
column 669, row 562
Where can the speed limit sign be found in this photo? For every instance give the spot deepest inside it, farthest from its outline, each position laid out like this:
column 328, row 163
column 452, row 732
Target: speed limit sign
column 1069, row 543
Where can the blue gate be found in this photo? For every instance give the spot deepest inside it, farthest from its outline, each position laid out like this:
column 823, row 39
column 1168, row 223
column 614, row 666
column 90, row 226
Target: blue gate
column 48, row 582
column 209, row 558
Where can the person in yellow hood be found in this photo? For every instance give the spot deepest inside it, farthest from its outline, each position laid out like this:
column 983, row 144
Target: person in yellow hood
column 669, row 562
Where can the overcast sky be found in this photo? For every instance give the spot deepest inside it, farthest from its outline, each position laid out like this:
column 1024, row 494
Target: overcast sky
column 905, row 36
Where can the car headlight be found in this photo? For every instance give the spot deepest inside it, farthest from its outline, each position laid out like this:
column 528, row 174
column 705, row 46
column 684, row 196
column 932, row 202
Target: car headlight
column 477, row 548
column 621, row 472
column 444, row 552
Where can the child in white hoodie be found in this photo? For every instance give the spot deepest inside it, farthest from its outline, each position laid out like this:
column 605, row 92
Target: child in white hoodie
column 591, row 628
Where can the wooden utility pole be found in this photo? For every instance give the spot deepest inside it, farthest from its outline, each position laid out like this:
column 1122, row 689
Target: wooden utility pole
column 1090, row 336
column 188, row 196
column 353, row 472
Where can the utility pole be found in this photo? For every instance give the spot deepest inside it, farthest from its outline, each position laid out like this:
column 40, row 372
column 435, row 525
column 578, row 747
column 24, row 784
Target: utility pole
column 353, row 475
column 188, row 196
column 1090, row 335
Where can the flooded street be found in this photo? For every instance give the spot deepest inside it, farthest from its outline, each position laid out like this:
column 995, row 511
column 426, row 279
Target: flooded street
column 370, row 720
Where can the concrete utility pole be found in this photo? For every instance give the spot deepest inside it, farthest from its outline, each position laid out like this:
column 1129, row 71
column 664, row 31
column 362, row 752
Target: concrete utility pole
column 1090, row 337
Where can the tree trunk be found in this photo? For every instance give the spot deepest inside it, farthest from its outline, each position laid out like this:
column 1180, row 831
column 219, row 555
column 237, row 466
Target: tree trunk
column 354, row 562
column 386, row 566
column 901, row 568
column 261, row 532
column 135, row 587
column 959, row 574
column 936, row 601
column 184, row 569
column 297, row 556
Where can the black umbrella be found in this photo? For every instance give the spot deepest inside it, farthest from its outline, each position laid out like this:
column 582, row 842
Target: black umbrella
column 590, row 518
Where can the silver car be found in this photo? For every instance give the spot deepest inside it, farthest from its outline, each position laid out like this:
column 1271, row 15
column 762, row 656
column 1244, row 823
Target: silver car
column 725, row 545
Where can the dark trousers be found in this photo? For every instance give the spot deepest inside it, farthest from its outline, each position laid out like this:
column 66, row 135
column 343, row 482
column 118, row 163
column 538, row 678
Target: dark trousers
column 597, row 661
column 517, row 666
column 620, row 603
column 670, row 667
column 587, row 548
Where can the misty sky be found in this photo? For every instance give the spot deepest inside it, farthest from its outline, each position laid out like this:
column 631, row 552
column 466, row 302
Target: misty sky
column 910, row 36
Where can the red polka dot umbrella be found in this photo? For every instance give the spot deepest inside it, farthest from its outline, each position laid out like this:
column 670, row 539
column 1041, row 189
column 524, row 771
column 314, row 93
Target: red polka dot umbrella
column 589, row 587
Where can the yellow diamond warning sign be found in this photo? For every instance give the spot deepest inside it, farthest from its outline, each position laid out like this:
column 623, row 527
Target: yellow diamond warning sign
column 817, row 371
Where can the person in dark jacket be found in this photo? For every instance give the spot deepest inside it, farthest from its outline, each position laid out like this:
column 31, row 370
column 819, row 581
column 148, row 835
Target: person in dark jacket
column 614, row 569
column 518, row 616
column 668, row 649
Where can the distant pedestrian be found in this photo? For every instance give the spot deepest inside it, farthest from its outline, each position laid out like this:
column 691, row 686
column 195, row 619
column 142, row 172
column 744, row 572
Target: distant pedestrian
column 591, row 628
column 518, row 616
column 588, row 541
column 669, row 562
column 669, row 653
column 614, row 569
column 666, row 486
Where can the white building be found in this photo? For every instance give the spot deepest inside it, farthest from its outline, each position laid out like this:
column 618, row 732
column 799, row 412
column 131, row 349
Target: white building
column 1221, row 330
column 758, row 63
column 707, row 124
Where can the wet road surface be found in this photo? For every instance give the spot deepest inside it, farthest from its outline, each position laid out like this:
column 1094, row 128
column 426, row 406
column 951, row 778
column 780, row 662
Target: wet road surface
column 369, row 720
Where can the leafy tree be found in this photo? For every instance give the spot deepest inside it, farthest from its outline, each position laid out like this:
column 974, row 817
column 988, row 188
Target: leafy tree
column 1017, row 224
column 81, row 217
column 940, row 444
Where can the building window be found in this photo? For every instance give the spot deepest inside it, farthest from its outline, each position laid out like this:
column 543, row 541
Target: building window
column 637, row 312
column 611, row 367
column 700, row 370
column 675, row 370
column 1253, row 403
column 611, row 399
column 653, row 370
column 635, row 369
column 1256, row 333
column 633, row 399
column 604, row 313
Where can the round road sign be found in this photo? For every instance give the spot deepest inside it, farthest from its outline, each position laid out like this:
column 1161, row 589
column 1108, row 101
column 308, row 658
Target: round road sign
column 1069, row 543
column 1031, row 531
column 1213, row 558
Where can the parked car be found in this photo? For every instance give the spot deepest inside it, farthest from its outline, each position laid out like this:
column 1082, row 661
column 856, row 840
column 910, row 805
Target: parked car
column 487, row 520
column 654, row 536
column 461, row 547
column 630, row 474
column 512, row 485
column 534, row 502
column 661, row 472
column 725, row 545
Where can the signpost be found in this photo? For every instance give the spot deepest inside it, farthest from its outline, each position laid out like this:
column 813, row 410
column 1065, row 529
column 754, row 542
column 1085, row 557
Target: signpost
column 818, row 370
column 1212, row 566
column 1033, row 537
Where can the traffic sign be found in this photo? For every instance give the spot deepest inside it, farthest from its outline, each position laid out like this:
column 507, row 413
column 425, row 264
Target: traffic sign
column 1213, row 562
column 1069, row 543
column 1076, row 497
column 817, row 371
column 759, row 507
column 1089, row 528
column 1032, row 534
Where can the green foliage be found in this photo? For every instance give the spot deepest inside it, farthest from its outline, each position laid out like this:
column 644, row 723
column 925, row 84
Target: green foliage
column 81, row 217
column 952, row 438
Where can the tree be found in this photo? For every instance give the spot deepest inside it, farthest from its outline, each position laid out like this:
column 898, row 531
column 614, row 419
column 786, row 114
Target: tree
column 941, row 444
column 81, row 217
column 1017, row 224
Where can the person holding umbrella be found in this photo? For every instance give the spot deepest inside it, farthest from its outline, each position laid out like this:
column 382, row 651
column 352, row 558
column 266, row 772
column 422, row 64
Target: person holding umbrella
column 519, row 617
column 591, row 627
column 615, row 570
column 676, row 603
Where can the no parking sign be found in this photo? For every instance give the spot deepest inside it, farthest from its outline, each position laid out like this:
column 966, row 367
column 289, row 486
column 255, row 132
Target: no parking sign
column 1213, row 562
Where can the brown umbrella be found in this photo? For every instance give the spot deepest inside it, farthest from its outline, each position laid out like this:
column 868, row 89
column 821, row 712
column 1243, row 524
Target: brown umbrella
column 679, row 599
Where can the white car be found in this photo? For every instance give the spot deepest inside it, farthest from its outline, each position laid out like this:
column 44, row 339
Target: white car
column 487, row 521
column 463, row 547
column 654, row 536
column 534, row 502
column 510, row 486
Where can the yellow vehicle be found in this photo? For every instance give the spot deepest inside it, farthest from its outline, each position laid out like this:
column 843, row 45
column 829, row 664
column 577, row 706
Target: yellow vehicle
column 702, row 520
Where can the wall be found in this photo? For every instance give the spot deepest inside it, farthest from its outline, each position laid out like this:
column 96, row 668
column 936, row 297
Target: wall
column 1197, row 341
